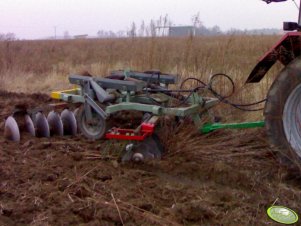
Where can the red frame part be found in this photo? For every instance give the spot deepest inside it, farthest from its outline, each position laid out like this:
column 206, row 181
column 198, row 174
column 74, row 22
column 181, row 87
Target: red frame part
column 146, row 129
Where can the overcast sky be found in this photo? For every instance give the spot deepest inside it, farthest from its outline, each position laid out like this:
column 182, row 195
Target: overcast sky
column 37, row 18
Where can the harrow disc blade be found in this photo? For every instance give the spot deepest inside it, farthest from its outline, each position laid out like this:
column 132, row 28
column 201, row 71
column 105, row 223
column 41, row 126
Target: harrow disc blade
column 69, row 122
column 75, row 112
column 42, row 125
column 29, row 126
column 11, row 130
column 155, row 146
column 149, row 149
column 55, row 124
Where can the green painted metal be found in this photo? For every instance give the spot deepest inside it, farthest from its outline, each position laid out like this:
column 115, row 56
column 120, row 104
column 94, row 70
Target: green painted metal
column 128, row 98
column 155, row 109
column 207, row 128
column 149, row 77
column 72, row 98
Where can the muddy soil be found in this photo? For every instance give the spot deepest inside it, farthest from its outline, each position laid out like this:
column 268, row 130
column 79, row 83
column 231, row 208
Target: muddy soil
column 224, row 178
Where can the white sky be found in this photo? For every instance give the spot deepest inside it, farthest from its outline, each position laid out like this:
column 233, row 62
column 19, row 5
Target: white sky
column 37, row 18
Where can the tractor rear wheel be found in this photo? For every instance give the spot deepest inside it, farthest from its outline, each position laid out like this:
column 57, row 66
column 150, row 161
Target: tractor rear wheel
column 283, row 113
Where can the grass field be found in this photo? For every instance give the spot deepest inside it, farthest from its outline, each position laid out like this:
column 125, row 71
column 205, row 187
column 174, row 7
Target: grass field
column 44, row 66
column 27, row 63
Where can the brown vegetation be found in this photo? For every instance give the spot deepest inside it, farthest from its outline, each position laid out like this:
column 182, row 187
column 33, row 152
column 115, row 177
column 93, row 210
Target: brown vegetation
column 29, row 62
column 44, row 66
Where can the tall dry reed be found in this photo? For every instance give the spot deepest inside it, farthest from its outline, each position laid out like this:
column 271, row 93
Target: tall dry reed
column 31, row 66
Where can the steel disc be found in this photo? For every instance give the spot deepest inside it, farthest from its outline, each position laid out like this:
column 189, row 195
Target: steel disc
column 138, row 157
column 55, row 124
column 142, row 154
column 69, row 122
column 156, row 146
column 42, row 127
column 29, row 125
column 149, row 149
column 11, row 130
column 75, row 112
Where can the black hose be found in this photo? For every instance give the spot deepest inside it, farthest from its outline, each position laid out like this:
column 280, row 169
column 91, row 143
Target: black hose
column 221, row 97
column 195, row 79
column 227, row 77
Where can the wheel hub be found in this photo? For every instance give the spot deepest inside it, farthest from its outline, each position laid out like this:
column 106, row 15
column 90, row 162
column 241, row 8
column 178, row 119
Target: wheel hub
column 292, row 119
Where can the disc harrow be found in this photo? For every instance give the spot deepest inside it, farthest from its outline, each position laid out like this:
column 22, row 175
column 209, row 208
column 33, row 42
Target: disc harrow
column 38, row 125
column 98, row 100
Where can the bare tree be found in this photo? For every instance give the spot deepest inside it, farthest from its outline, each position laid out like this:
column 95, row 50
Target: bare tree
column 8, row 37
column 152, row 27
column 133, row 31
column 196, row 21
column 142, row 29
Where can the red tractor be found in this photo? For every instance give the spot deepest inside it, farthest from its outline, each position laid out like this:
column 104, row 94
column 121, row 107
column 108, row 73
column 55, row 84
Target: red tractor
column 282, row 110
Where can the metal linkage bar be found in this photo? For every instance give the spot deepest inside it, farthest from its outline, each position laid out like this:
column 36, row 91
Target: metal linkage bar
column 207, row 128
column 148, row 76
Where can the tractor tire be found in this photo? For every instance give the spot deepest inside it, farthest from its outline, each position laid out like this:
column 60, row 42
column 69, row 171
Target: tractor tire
column 283, row 114
column 93, row 130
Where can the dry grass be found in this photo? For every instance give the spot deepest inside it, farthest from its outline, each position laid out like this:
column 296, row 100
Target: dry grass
column 43, row 66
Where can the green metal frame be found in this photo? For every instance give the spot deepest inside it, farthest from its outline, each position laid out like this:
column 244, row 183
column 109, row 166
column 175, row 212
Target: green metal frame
column 207, row 128
column 195, row 107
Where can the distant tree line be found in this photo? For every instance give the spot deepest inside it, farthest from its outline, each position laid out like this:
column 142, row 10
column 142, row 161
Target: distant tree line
column 7, row 36
column 160, row 27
